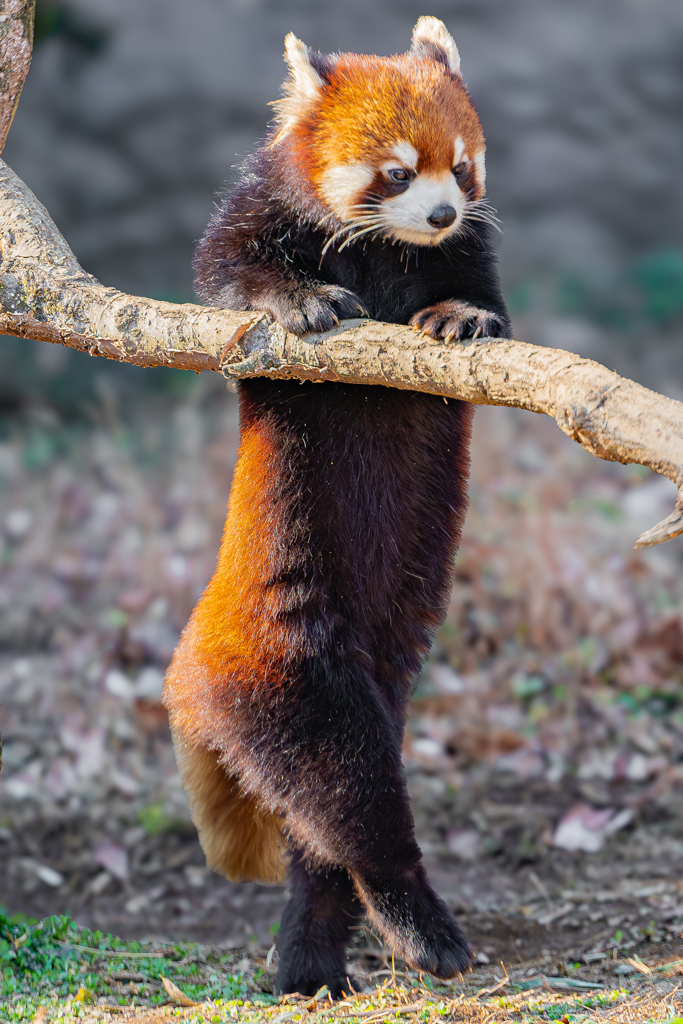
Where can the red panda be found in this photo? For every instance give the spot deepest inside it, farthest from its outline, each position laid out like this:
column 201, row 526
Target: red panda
column 288, row 690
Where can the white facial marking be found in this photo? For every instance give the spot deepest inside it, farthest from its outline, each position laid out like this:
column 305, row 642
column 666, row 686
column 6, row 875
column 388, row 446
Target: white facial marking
column 431, row 30
column 406, row 153
column 342, row 185
column 479, row 162
column 459, row 151
column 405, row 217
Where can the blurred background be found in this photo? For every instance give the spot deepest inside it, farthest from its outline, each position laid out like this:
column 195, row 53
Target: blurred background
column 547, row 733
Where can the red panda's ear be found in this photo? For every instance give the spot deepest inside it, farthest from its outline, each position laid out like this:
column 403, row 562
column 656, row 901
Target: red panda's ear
column 302, row 88
column 432, row 39
column 304, row 79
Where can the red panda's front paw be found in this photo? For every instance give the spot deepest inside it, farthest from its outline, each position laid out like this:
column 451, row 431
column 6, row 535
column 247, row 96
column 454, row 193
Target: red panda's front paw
column 315, row 308
column 456, row 321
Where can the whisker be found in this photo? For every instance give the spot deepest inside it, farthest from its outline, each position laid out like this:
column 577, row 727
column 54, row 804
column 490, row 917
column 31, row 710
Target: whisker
column 365, row 222
column 371, row 212
column 465, row 229
column 491, row 224
column 487, row 210
column 365, row 231
column 481, row 209
column 376, row 196
column 479, row 202
column 483, row 217
column 332, row 239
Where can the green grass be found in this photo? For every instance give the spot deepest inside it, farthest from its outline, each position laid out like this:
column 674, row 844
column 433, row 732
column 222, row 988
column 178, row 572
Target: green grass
column 54, row 961
column 85, row 976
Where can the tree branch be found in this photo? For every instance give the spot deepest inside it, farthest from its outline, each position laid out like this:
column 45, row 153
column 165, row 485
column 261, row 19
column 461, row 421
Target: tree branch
column 46, row 295
column 16, row 44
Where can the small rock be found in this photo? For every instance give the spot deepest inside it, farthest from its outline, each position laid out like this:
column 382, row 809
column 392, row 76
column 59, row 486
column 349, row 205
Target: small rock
column 119, row 685
column 18, row 522
column 114, row 858
column 585, row 828
column 425, row 746
column 464, row 843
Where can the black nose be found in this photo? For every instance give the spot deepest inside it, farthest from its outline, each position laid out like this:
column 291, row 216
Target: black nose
column 442, row 217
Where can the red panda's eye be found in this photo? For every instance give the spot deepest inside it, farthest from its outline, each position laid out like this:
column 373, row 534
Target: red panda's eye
column 459, row 169
column 399, row 174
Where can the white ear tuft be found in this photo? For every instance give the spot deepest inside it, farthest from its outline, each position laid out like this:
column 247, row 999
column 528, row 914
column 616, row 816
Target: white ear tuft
column 301, row 89
column 307, row 83
column 431, row 31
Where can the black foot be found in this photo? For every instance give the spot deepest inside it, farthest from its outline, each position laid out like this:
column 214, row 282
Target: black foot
column 314, row 931
column 307, row 984
column 417, row 924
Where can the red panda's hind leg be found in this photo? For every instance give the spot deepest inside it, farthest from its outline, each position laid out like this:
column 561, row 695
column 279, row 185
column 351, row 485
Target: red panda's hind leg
column 315, row 929
column 327, row 750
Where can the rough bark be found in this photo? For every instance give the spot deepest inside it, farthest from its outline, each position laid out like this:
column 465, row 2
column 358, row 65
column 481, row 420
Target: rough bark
column 16, row 43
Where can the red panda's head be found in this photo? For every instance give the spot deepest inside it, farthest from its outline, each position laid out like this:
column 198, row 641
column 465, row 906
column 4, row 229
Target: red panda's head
column 391, row 145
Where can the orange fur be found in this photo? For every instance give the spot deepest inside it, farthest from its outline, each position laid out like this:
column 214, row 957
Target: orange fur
column 371, row 103
column 232, row 638
column 241, row 840
column 232, row 634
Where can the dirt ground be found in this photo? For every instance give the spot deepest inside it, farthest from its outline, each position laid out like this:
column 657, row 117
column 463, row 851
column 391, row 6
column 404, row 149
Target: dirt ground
column 544, row 752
